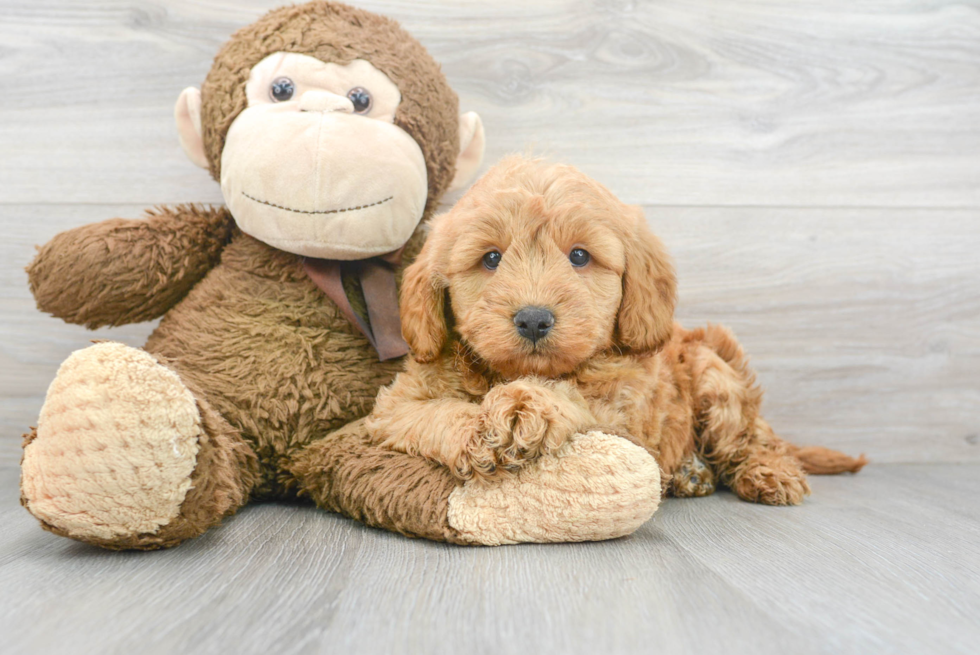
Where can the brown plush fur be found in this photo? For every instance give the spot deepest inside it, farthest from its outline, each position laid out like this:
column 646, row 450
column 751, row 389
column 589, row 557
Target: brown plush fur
column 174, row 249
column 484, row 401
column 344, row 472
column 274, row 365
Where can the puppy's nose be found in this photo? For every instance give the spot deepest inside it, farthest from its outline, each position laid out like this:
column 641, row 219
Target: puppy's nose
column 533, row 323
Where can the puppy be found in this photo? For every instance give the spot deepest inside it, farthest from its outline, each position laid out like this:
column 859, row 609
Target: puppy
column 541, row 306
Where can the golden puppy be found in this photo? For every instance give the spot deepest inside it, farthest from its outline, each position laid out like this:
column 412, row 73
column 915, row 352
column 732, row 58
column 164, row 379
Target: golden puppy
column 542, row 306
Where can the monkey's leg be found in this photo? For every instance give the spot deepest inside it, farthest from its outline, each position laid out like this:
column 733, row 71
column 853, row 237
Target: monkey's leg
column 596, row 487
column 738, row 443
column 125, row 456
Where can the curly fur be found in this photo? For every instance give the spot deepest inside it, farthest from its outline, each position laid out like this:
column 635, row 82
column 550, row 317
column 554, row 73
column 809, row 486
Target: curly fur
column 481, row 399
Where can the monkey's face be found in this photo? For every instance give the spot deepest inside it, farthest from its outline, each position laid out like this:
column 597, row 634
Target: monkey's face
column 315, row 164
column 335, row 144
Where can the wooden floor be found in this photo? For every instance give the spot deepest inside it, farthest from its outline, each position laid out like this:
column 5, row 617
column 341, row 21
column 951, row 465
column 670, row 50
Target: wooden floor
column 887, row 561
column 813, row 167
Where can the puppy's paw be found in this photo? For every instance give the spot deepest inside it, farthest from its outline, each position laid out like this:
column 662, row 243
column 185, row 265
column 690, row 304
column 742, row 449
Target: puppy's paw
column 520, row 422
column 774, row 480
column 692, row 478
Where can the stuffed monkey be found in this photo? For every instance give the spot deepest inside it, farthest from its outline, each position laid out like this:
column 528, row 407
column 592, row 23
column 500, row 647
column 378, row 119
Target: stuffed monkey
column 333, row 134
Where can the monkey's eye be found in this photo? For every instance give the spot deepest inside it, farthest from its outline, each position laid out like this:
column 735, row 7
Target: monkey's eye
column 491, row 260
column 282, row 89
column 361, row 99
column 579, row 257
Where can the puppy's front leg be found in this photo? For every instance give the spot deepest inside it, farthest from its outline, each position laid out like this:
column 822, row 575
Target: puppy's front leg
column 440, row 429
column 524, row 419
column 515, row 423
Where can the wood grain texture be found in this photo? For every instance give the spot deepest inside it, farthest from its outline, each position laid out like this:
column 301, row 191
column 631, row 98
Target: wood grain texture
column 864, row 324
column 814, row 168
column 757, row 102
column 879, row 562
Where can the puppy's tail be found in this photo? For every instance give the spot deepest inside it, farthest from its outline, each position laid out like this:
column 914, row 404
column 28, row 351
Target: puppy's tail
column 823, row 461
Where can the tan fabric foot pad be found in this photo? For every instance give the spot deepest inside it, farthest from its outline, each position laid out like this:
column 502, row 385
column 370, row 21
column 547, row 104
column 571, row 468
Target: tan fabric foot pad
column 595, row 487
column 116, row 445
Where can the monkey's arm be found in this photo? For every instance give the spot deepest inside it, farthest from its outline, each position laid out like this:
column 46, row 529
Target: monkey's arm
column 126, row 271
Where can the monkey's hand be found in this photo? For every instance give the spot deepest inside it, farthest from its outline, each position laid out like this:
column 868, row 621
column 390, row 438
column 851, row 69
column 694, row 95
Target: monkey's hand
column 522, row 420
column 127, row 271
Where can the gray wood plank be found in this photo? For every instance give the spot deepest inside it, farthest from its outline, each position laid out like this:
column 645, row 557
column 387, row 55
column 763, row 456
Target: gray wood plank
column 864, row 324
column 708, row 103
column 869, row 563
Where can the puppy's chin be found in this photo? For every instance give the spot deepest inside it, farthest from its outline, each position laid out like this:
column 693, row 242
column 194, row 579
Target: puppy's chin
column 538, row 361
column 553, row 356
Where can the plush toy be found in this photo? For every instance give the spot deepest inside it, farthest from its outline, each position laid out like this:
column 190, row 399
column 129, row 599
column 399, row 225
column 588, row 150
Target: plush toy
column 333, row 135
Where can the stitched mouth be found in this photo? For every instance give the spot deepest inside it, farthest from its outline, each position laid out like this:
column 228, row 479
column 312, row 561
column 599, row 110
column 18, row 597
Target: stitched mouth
column 309, row 211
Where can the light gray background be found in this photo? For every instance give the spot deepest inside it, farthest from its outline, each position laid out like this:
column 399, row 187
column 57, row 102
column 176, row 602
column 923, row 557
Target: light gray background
column 815, row 170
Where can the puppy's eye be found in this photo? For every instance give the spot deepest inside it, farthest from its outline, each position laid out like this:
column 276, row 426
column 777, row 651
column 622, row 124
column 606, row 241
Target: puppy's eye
column 579, row 257
column 361, row 98
column 491, row 260
column 282, row 89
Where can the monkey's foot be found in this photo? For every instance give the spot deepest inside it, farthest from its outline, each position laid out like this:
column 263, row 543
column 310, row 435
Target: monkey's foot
column 115, row 447
column 594, row 487
column 692, row 478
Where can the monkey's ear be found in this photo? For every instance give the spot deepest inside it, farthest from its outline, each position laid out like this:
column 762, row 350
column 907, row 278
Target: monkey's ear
column 422, row 309
column 188, row 116
column 472, row 141
column 646, row 315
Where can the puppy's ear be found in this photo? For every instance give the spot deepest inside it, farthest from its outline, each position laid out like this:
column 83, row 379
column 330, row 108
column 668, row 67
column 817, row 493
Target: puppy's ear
column 646, row 315
column 422, row 309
